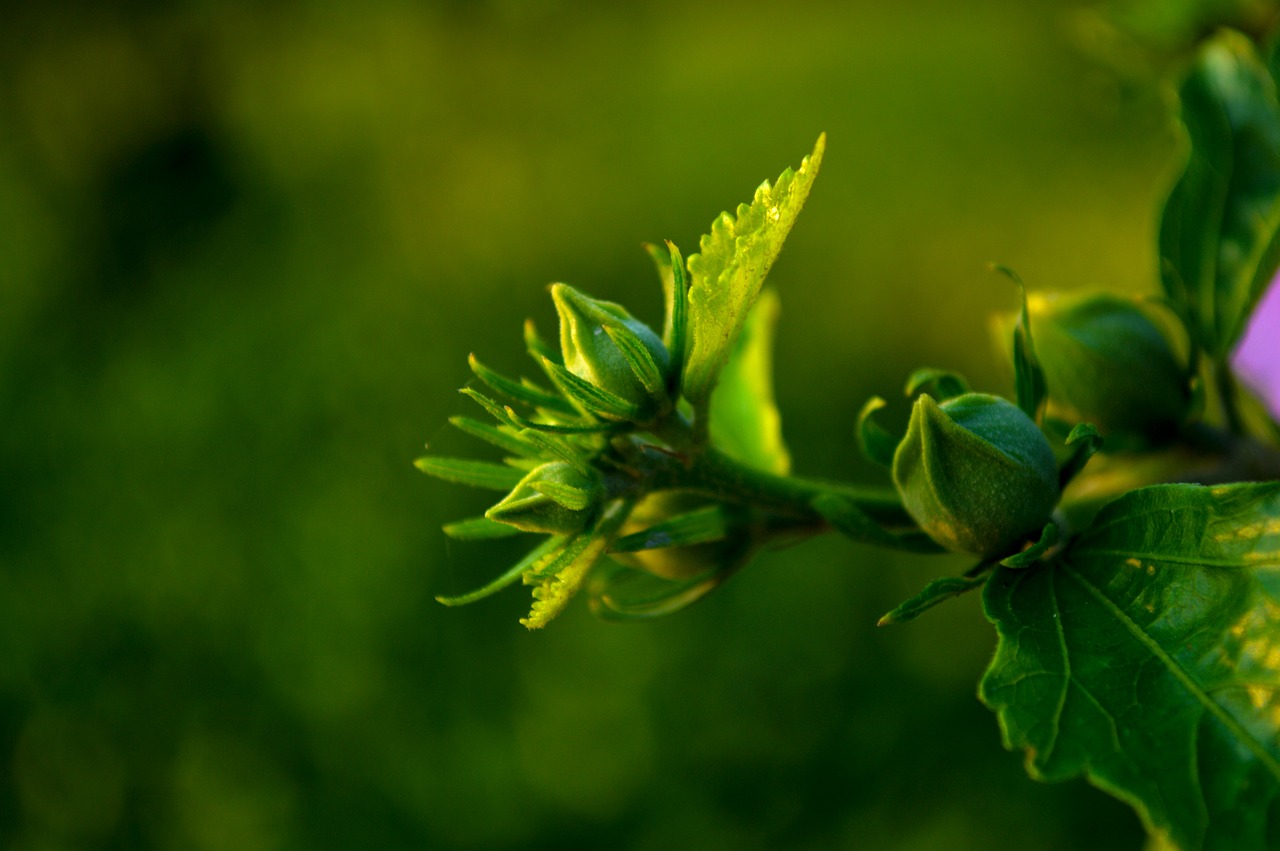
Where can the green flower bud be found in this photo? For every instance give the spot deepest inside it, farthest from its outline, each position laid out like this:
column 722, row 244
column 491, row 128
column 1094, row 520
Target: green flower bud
column 592, row 353
column 555, row 498
column 1107, row 363
column 976, row 474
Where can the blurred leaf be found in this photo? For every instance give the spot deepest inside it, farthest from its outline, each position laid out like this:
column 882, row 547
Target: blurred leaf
column 479, row 529
column 745, row 423
column 1218, row 234
column 875, row 441
column 735, row 258
column 1148, row 660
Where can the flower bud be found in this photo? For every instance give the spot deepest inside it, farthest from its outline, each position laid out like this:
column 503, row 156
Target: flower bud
column 555, row 498
column 976, row 474
column 593, row 355
column 1107, row 363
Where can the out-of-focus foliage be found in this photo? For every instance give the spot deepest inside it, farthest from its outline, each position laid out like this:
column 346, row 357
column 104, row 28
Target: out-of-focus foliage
column 245, row 253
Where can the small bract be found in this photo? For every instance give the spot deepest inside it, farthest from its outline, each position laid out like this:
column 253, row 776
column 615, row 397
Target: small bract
column 976, row 474
column 555, row 498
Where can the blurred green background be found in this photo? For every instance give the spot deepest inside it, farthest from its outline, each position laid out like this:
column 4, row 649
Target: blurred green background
column 246, row 250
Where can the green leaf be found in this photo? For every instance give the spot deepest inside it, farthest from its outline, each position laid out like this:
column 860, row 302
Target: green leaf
column 937, row 591
column 938, row 383
column 849, row 520
column 521, row 391
column 463, row 471
column 1028, row 377
column 496, row 436
column 478, row 529
column 745, row 422
column 1147, row 659
column 622, row 594
column 530, row 562
column 574, row 499
column 675, row 297
column 701, row 526
column 875, row 441
column 498, row 412
column 1084, row 442
column 1219, row 245
column 726, row 276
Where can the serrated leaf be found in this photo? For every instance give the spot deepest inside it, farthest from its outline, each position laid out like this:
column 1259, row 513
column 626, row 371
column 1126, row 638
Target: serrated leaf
column 1147, row 659
column 464, row 471
column 1220, row 229
column 726, row 276
column 479, row 529
column 937, row 591
column 745, row 422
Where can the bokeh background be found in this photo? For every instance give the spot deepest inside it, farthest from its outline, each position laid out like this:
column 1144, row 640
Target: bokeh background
column 244, row 252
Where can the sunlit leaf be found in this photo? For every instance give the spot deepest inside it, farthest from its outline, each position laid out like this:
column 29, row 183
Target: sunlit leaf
column 745, row 422
column 1147, row 659
column 726, row 276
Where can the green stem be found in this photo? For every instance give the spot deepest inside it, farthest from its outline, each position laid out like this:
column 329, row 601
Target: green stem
column 714, row 474
column 1229, row 395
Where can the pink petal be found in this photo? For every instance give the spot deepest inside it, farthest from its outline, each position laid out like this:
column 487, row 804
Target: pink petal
column 1257, row 357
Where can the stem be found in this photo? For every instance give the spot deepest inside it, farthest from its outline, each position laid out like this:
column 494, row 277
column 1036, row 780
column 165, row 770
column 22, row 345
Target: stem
column 1229, row 395
column 714, row 474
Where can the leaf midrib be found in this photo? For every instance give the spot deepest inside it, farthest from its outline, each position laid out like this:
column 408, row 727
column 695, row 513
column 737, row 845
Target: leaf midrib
column 1233, row 726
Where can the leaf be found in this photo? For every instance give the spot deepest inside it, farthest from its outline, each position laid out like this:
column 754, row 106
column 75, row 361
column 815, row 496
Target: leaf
column 1084, row 442
column 875, row 441
column 701, row 526
column 726, row 276
column 531, row 561
column 521, row 391
column 479, row 529
column 1028, row 377
column 941, row 384
column 849, row 520
column 1147, row 659
column 1219, row 244
column 622, row 594
column 675, row 297
column 937, row 591
column 745, row 422
column 496, row 436
column 463, row 471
